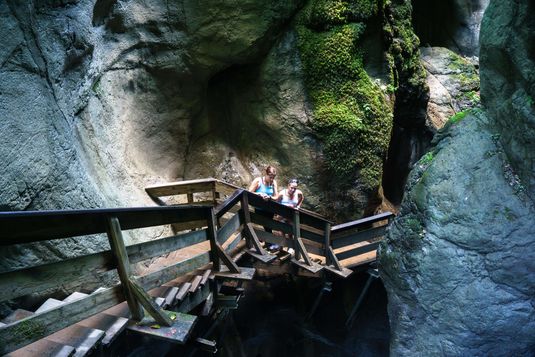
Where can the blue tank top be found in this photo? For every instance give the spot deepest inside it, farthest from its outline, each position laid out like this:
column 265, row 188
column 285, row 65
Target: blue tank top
column 268, row 190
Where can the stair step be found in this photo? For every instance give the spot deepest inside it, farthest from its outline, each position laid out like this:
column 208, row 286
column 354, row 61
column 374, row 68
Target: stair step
column 16, row 315
column 205, row 276
column 177, row 333
column 83, row 339
column 75, row 296
column 43, row 348
column 195, row 283
column 182, row 292
column 111, row 325
column 170, row 296
column 98, row 290
column 48, row 305
column 120, row 310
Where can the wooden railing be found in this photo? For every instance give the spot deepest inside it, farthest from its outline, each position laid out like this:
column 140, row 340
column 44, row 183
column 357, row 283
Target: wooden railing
column 228, row 217
column 26, row 227
column 310, row 232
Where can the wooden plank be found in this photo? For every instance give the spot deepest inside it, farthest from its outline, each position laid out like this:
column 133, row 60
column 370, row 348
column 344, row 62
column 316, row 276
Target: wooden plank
column 193, row 300
column 205, row 276
column 357, row 251
column 362, row 222
column 208, row 304
column 154, row 310
column 158, row 247
column 170, row 296
column 181, row 187
column 349, row 238
column 118, row 248
column 44, row 277
column 253, row 238
column 33, row 226
column 343, row 273
column 111, row 325
column 178, row 332
column 269, row 206
column 43, row 348
column 195, row 282
column 231, row 226
column 312, row 267
column 157, row 278
column 237, row 239
column 264, row 258
column 327, row 243
column 225, row 189
column 230, row 202
column 83, row 339
column 333, row 260
column 74, row 296
column 244, row 274
column 184, row 289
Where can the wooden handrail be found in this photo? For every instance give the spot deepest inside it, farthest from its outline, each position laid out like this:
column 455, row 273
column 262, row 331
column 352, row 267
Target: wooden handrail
column 361, row 222
column 34, row 226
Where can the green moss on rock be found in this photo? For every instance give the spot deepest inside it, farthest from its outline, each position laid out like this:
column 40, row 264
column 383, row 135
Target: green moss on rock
column 352, row 116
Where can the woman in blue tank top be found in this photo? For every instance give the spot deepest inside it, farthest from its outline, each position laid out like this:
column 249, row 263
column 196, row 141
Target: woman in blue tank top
column 265, row 186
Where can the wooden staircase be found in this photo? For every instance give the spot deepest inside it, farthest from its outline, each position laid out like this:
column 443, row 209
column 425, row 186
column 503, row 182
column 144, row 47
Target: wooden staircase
column 212, row 235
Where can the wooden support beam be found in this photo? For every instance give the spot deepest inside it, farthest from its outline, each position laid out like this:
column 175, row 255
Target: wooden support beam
column 212, row 236
column 301, row 250
column 255, row 242
column 333, row 260
column 327, row 243
column 227, row 260
column 118, row 248
column 154, row 310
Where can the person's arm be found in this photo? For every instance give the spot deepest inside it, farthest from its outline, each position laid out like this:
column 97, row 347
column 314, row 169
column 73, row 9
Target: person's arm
column 278, row 197
column 300, row 198
column 254, row 185
column 275, row 188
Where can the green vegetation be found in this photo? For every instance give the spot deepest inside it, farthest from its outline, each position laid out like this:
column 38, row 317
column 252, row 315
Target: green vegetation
column 28, row 330
column 352, row 117
column 457, row 117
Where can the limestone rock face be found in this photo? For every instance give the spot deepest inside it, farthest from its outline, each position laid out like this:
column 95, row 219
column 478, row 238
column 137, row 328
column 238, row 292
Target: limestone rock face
column 458, row 261
column 508, row 82
column 453, row 84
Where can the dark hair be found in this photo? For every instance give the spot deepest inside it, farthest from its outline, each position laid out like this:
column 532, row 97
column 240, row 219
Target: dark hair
column 271, row 168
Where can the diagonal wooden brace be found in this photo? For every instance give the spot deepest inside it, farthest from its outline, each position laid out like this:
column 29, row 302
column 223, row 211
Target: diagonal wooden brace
column 254, row 241
column 227, row 260
column 333, row 260
column 154, row 310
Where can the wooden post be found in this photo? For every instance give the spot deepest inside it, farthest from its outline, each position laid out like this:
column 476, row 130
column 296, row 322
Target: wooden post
column 190, row 198
column 212, row 236
column 300, row 246
column 327, row 242
column 118, row 248
column 297, row 234
column 246, row 217
column 154, row 310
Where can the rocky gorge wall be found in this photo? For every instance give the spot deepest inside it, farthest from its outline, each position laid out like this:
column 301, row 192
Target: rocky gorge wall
column 458, row 261
column 99, row 99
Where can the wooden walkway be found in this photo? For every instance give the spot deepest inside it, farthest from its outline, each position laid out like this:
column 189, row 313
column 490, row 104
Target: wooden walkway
column 214, row 225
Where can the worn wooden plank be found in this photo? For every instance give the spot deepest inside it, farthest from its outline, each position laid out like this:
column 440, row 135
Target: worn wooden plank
column 212, row 236
column 43, row 348
column 205, row 276
column 349, row 238
column 48, row 305
column 33, row 226
column 111, row 325
column 231, row 226
column 234, row 243
column 178, row 332
column 47, row 276
column 193, row 300
column 182, row 292
column 361, row 222
column 225, row 189
column 181, row 187
column 157, row 247
column 357, row 251
column 244, row 274
column 157, row 278
column 123, row 266
column 195, row 282
column 83, row 339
